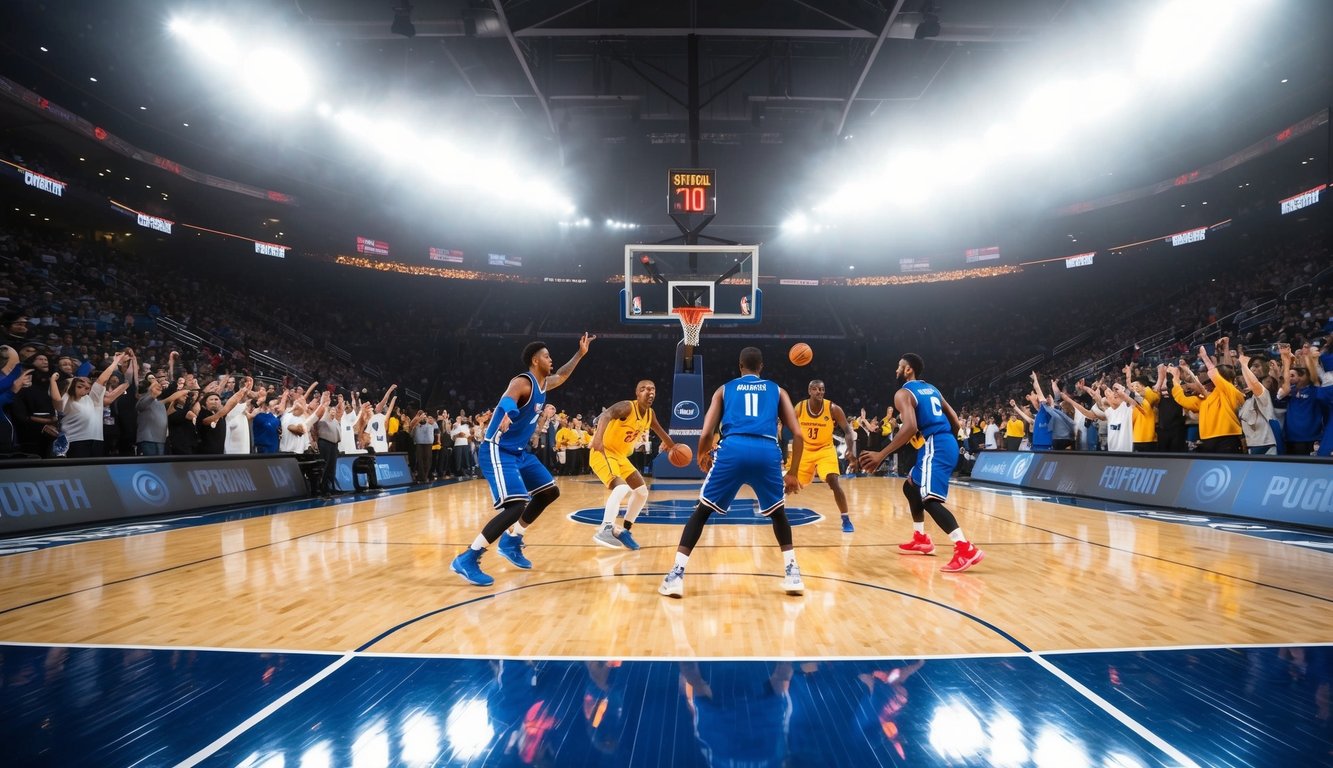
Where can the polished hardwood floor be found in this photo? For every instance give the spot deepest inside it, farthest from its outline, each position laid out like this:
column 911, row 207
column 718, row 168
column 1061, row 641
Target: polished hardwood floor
column 374, row 575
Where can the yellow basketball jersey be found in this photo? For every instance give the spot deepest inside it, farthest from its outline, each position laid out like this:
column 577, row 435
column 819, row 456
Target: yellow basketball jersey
column 622, row 435
column 817, row 431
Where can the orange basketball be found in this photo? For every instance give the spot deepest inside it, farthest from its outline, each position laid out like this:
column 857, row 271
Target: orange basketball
column 801, row 354
column 680, row 455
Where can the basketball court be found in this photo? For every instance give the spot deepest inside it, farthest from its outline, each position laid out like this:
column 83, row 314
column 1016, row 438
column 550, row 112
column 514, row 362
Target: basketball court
column 321, row 633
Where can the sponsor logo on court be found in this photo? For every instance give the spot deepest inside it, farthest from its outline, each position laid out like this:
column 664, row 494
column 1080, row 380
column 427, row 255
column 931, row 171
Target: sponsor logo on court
column 687, row 409
column 1132, row 479
column 26, row 497
column 1213, row 484
column 221, row 482
column 1307, row 494
column 149, row 488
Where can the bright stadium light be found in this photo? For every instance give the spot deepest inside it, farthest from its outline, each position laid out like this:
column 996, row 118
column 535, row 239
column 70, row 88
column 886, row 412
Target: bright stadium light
column 277, row 79
column 1181, row 34
column 796, row 224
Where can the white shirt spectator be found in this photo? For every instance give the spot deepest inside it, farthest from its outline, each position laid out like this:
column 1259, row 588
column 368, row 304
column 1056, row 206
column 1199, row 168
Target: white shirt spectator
column 1120, row 428
column 238, row 429
column 83, row 417
column 347, row 437
column 288, row 442
column 460, row 434
column 378, row 439
column 991, row 431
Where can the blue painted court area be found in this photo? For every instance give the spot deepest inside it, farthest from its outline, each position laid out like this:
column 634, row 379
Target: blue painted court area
column 1212, row 707
column 677, row 512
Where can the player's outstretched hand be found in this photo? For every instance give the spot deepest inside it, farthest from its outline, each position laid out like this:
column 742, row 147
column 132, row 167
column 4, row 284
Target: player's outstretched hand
column 870, row 460
column 790, row 482
column 705, row 461
column 504, row 423
column 585, row 341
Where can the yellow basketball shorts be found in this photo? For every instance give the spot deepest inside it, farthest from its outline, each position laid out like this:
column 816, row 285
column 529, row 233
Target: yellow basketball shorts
column 823, row 462
column 608, row 465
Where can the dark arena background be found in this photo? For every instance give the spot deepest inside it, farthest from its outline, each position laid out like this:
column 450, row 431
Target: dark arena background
column 269, row 268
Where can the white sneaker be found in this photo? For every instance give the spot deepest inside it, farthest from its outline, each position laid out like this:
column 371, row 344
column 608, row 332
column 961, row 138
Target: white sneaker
column 791, row 583
column 674, row 583
column 607, row 538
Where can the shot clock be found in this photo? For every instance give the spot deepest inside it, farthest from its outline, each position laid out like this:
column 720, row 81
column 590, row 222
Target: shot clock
column 692, row 190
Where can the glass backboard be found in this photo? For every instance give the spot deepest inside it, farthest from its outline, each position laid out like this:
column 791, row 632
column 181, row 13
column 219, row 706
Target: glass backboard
column 659, row 278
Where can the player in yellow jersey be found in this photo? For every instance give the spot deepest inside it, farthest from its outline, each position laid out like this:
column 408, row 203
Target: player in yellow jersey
column 619, row 429
column 817, row 418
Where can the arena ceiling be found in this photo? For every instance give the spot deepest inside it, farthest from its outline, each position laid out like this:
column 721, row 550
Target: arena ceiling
column 599, row 88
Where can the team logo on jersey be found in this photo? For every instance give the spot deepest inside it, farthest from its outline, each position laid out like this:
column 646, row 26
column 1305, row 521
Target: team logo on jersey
column 687, row 409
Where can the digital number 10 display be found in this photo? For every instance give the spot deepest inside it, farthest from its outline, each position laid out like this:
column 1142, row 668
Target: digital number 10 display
column 692, row 190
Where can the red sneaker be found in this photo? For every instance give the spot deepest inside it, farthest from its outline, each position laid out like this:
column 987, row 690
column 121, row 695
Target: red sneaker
column 919, row 545
column 964, row 556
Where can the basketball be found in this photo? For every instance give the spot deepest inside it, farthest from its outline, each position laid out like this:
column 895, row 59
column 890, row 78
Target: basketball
column 801, row 354
column 680, row 455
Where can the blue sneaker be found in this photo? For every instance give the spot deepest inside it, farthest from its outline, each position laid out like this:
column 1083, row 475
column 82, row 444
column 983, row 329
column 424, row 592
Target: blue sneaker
column 847, row 525
column 511, row 549
column 468, row 565
column 674, row 583
column 628, row 540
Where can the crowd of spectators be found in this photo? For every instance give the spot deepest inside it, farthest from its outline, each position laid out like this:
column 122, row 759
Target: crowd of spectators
column 118, row 351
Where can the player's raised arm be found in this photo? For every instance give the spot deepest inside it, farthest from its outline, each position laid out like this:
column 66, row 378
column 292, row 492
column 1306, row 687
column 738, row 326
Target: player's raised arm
column 559, row 377
column 618, row 411
column 711, row 419
column 788, row 416
column 519, row 390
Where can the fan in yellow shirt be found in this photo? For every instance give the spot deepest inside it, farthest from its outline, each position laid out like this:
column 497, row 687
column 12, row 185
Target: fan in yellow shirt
column 619, row 429
column 817, row 418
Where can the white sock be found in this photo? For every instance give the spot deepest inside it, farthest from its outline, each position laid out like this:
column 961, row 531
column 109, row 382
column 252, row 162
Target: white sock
column 479, row 543
column 681, row 560
column 956, row 535
column 637, row 499
column 612, row 509
column 919, row 527
column 789, row 557
column 518, row 528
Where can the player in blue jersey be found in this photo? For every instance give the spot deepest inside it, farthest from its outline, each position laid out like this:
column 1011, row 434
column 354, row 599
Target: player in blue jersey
column 748, row 410
column 521, row 486
column 924, row 411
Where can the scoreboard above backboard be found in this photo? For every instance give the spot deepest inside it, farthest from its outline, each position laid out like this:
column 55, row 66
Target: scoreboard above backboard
column 692, row 190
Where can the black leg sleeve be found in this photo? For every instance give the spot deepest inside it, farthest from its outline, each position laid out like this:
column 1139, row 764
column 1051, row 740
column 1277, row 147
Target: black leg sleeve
column 539, row 503
column 694, row 528
column 912, row 492
column 505, row 517
column 941, row 515
column 781, row 526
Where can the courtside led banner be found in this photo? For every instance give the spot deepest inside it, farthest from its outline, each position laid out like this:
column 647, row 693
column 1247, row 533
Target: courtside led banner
column 53, row 494
column 1294, row 492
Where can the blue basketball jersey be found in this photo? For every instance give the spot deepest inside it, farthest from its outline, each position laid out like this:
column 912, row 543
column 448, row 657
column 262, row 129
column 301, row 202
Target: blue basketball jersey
column 750, row 407
column 930, row 418
column 519, row 434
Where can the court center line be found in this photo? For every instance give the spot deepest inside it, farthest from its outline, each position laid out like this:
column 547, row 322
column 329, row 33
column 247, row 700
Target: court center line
column 263, row 714
column 1114, row 711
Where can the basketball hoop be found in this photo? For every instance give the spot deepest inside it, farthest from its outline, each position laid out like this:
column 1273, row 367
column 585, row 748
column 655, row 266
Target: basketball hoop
column 692, row 320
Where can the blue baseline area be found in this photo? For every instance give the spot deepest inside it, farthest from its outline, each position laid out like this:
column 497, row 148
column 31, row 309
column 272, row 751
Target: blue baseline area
column 430, row 711
column 678, row 511
column 129, row 706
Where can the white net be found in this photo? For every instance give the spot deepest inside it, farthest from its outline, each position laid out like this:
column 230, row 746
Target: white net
column 692, row 320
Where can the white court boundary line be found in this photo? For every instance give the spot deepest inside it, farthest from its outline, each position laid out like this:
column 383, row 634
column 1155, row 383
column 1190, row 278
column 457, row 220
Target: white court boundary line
column 1114, row 711
column 262, row 714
